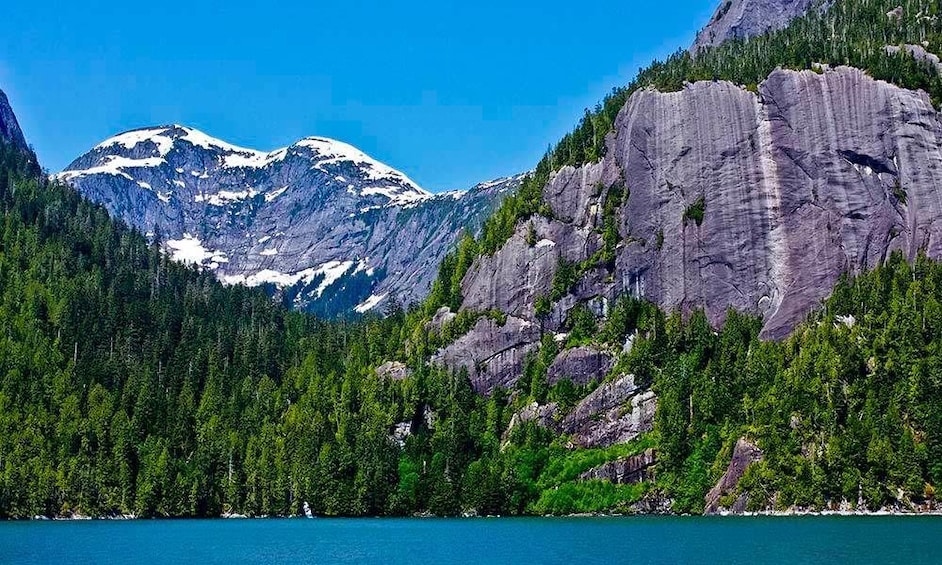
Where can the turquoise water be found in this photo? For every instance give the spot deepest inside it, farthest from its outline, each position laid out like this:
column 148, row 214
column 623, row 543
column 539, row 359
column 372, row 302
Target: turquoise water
column 570, row 541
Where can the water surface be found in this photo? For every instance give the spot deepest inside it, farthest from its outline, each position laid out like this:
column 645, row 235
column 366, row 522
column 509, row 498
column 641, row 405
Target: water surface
column 570, row 541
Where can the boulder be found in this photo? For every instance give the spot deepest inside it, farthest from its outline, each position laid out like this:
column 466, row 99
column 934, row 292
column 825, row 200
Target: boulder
column 393, row 370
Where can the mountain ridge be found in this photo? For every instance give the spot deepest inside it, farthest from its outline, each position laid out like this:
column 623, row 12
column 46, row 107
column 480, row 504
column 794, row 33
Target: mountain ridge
column 9, row 126
column 318, row 221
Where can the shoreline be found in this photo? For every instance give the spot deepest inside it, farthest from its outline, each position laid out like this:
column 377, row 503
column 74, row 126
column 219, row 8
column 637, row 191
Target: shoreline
column 719, row 515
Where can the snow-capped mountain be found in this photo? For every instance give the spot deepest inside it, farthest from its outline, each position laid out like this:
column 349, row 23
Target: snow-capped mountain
column 332, row 229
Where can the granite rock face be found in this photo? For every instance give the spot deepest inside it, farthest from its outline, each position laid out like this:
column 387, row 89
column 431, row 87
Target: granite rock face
column 542, row 414
column 744, row 454
column 10, row 131
column 616, row 412
column 634, row 469
column 737, row 19
column 331, row 229
column 581, row 365
column 815, row 175
column 492, row 354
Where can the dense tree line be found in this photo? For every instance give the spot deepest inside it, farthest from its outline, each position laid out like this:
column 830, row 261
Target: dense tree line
column 132, row 384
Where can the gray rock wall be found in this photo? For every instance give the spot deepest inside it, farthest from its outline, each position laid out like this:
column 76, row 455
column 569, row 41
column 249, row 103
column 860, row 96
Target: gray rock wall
column 813, row 176
column 747, row 18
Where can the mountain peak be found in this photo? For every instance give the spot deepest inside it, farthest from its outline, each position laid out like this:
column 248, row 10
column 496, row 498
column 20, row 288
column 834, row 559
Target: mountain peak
column 10, row 131
column 331, row 227
column 735, row 19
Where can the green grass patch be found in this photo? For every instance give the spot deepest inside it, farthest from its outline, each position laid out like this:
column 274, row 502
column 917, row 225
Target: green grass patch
column 588, row 496
column 567, row 465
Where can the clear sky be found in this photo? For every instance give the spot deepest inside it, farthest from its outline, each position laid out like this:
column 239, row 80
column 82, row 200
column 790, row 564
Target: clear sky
column 451, row 93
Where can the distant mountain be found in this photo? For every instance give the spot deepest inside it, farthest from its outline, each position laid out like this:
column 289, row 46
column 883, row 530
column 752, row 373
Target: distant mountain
column 10, row 131
column 329, row 228
column 747, row 18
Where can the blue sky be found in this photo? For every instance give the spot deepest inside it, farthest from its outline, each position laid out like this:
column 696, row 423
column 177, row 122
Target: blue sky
column 449, row 93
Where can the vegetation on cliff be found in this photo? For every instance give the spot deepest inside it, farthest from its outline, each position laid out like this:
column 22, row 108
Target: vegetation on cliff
column 131, row 384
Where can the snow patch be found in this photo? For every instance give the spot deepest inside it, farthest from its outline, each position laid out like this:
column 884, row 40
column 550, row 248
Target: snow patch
column 330, row 271
column 190, row 250
column 275, row 193
column 269, row 252
column 224, row 197
column 369, row 303
column 546, row 243
column 328, row 151
column 130, row 140
column 113, row 165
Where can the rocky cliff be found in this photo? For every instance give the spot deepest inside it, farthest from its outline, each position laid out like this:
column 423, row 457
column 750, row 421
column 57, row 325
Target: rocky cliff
column 746, row 18
column 331, row 229
column 756, row 201
column 10, row 131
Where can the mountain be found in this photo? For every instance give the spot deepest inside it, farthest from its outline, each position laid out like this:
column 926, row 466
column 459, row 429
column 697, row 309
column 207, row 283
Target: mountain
column 331, row 229
column 740, row 19
column 10, row 131
column 744, row 194
column 622, row 313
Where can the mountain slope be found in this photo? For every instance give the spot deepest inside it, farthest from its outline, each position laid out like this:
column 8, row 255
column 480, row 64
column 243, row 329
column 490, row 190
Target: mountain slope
column 10, row 131
column 740, row 19
column 332, row 229
column 721, row 194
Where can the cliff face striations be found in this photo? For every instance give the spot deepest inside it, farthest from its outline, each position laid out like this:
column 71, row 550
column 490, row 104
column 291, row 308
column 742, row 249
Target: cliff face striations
column 753, row 201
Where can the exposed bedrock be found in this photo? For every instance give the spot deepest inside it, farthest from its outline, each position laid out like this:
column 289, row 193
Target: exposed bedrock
column 813, row 176
column 616, row 412
column 737, row 19
column 581, row 365
column 633, row 469
column 744, row 454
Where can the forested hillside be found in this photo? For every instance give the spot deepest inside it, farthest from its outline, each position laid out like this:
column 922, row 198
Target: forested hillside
column 130, row 384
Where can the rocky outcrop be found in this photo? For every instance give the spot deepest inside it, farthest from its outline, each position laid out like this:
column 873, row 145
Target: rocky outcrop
column 737, row 19
column 616, row 412
column 331, row 229
column 634, row 469
column 581, row 365
column 493, row 354
column 442, row 317
column 543, row 414
column 815, row 175
column 917, row 52
column 744, row 454
column 393, row 370
column 10, row 131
